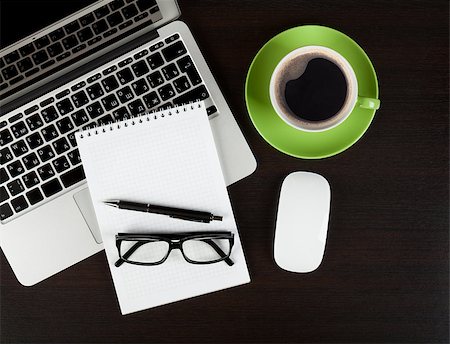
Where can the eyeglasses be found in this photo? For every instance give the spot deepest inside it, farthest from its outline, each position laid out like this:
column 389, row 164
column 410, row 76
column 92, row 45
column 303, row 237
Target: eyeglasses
column 196, row 247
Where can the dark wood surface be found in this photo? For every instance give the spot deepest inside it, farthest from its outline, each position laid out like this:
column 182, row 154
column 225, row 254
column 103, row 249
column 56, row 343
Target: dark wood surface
column 385, row 275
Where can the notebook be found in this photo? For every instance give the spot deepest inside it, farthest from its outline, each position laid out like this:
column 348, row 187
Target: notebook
column 166, row 158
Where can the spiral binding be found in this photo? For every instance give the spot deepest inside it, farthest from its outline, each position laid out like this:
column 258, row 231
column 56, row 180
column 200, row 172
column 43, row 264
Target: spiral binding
column 146, row 116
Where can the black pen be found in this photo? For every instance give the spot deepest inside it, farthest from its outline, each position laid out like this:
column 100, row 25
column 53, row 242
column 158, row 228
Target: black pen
column 177, row 213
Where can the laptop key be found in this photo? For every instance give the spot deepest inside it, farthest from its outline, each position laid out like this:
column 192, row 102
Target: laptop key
column 186, row 65
column 79, row 99
column 57, row 34
column 64, row 106
column 10, row 72
column 19, row 148
column 3, row 176
column 31, row 160
column 110, row 102
column 116, row 4
column 95, row 91
column 45, row 153
column 151, row 99
column 94, row 40
column 109, row 33
column 181, row 84
column 125, row 94
column 55, row 49
column 130, row 11
column 125, row 76
column 155, row 79
column 140, row 87
column 136, row 107
column 74, row 157
column 85, row 34
column 40, row 57
column 78, row 48
column 12, row 57
column 105, row 120
column 61, row 145
column 34, row 196
column 155, row 60
column 145, row 4
column 49, row 114
column 166, row 92
column 5, row 155
column 30, row 110
column 197, row 94
column 101, row 12
column 5, row 211
column 60, row 164
column 211, row 110
column 3, row 194
column 15, row 187
column 45, row 171
column 140, row 17
column 173, row 51
column 114, row 19
column 94, row 110
column 16, row 79
column 87, row 19
column 19, row 204
column 100, row 26
column 64, row 125
column 126, row 24
column 49, row 132
column 170, row 71
column 72, row 27
column 34, row 122
column 140, row 68
column 73, row 176
column 52, row 187
column 15, row 168
column 110, row 83
column 19, row 129
column 72, row 139
column 34, row 140
column 27, row 49
column 121, row 113
column 30, row 179
column 42, row 42
column 5, row 137
column 80, row 117
column 70, row 42
column 25, row 64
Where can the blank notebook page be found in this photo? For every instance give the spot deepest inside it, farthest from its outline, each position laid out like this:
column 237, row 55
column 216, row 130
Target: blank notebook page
column 167, row 158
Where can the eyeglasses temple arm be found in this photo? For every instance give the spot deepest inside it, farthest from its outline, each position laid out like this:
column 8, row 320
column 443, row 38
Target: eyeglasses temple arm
column 130, row 251
column 228, row 260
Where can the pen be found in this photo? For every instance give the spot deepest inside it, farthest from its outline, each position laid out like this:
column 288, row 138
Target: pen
column 177, row 213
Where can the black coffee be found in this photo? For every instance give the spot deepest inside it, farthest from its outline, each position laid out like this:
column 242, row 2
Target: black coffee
column 319, row 93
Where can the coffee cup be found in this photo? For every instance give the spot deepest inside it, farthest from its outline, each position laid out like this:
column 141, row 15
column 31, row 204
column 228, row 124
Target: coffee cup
column 314, row 88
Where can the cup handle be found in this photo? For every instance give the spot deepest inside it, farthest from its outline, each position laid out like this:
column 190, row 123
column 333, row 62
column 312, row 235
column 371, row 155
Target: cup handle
column 368, row 103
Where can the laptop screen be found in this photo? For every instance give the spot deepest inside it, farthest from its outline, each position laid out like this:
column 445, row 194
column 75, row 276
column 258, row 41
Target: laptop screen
column 17, row 21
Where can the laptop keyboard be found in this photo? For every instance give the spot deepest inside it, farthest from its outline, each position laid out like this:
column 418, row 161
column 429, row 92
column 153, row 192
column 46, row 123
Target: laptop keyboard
column 67, row 42
column 38, row 154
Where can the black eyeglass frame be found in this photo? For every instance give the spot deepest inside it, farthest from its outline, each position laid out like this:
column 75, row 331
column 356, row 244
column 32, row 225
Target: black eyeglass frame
column 175, row 241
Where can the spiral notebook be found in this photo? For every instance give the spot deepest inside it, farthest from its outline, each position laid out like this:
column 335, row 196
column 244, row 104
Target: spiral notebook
column 166, row 158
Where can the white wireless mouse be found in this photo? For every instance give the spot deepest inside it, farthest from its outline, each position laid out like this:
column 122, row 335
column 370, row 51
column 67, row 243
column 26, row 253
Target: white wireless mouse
column 302, row 222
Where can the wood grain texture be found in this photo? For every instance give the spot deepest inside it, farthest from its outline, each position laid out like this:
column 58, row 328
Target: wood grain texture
column 385, row 275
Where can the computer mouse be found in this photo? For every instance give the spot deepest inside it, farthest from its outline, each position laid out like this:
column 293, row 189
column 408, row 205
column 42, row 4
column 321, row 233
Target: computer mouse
column 302, row 222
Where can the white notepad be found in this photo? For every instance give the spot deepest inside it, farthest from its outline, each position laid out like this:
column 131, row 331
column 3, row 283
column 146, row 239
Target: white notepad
column 166, row 158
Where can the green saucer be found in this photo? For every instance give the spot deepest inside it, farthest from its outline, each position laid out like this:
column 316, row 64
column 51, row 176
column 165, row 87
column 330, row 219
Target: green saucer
column 301, row 144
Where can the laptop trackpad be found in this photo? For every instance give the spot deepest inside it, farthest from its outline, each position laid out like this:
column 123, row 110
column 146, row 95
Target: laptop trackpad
column 84, row 203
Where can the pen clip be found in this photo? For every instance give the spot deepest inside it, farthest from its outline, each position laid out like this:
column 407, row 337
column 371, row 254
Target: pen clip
column 187, row 218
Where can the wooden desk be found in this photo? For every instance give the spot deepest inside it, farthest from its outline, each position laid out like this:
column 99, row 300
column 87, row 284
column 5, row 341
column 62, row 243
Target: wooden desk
column 385, row 275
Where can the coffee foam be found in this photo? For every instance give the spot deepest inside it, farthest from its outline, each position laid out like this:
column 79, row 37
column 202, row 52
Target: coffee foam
column 293, row 68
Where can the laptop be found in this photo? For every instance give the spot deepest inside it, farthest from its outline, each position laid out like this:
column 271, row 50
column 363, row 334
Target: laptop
column 108, row 61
